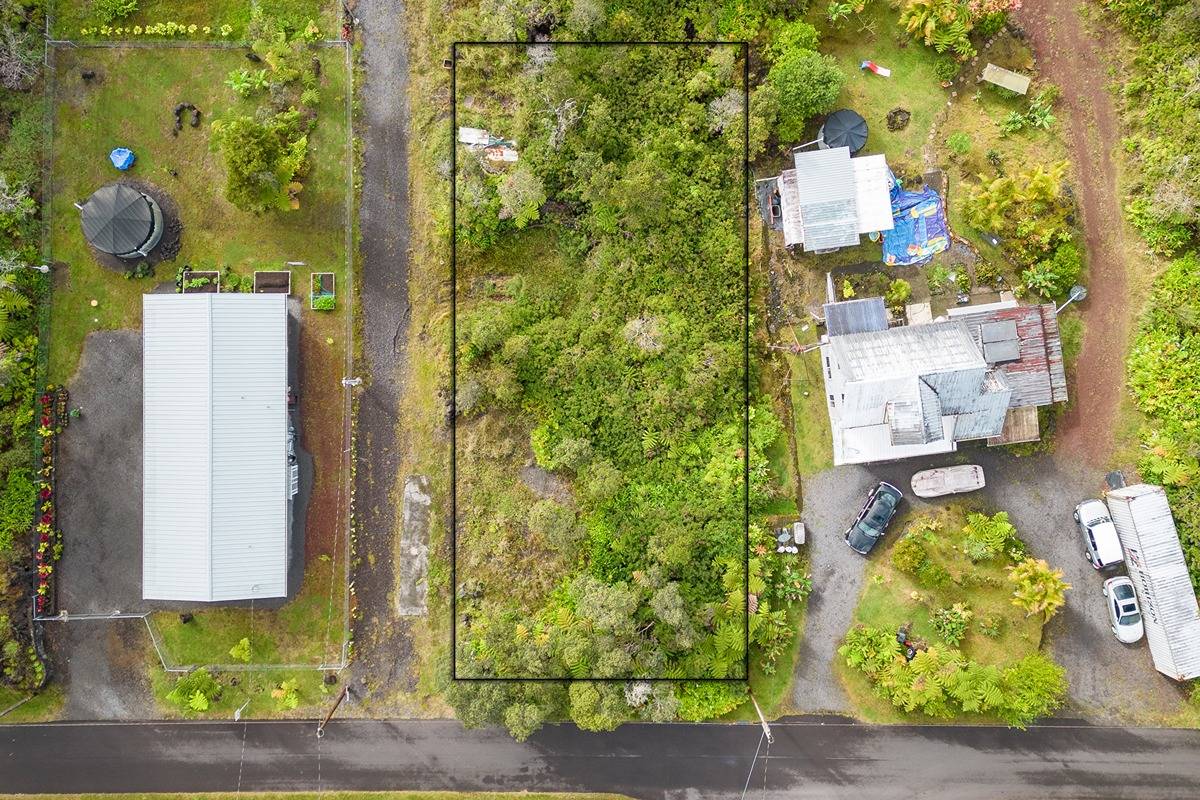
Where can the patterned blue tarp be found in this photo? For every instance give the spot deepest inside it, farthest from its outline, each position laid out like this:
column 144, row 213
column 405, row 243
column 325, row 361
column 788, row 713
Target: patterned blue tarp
column 920, row 227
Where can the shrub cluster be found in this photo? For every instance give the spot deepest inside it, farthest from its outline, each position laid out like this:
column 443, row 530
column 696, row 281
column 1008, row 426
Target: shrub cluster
column 942, row 682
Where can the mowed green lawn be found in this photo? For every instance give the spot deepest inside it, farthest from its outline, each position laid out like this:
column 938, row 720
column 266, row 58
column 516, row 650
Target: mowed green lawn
column 130, row 105
column 70, row 16
column 874, row 35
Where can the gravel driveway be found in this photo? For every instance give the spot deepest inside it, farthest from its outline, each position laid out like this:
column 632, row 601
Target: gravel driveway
column 1107, row 681
column 383, row 647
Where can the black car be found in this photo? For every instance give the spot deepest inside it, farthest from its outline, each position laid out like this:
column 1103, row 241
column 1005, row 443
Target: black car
column 873, row 520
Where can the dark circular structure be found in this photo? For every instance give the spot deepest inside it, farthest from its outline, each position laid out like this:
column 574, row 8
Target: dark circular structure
column 843, row 128
column 120, row 220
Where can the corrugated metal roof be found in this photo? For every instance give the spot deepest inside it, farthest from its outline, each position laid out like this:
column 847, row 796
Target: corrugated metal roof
column 931, row 411
column 1159, row 572
column 917, row 350
column 215, row 475
column 872, row 195
column 828, row 206
column 789, row 205
column 830, row 198
column 1036, row 373
column 856, row 316
column 905, row 421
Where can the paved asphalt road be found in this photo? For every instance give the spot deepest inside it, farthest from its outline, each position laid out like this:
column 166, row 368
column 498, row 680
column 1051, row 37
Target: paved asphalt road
column 820, row 758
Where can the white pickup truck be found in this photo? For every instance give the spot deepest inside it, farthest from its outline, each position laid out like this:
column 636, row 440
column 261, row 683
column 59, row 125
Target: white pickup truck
column 948, row 480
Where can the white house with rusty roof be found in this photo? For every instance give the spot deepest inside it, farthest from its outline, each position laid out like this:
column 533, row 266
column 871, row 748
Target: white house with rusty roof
column 900, row 392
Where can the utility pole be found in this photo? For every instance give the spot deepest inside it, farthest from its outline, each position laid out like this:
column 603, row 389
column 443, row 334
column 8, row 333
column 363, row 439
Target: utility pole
column 763, row 720
column 341, row 696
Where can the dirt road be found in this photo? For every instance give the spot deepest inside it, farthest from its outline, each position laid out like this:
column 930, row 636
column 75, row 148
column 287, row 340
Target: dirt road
column 1072, row 57
column 381, row 642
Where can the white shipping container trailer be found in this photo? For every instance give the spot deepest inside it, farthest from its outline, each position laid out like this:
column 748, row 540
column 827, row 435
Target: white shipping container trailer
column 1155, row 562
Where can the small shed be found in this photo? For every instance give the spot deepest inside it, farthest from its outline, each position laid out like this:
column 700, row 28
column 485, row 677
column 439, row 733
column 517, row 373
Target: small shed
column 843, row 128
column 1006, row 78
column 1154, row 559
column 120, row 220
column 829, row 198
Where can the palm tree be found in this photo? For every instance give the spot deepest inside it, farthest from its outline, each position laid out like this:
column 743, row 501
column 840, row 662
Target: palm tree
column 1038, row 589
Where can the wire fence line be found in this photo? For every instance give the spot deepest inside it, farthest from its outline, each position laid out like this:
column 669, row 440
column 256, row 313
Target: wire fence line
column 344, row 538
column 176, row 44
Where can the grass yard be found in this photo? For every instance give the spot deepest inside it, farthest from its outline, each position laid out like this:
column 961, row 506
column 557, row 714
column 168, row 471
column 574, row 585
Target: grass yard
column 130, row 105
column 313, row 696
column 810, row 416
column 70, row 16
column 45, row 705
column 308, row 630
column 893, row 598
column 874, row 35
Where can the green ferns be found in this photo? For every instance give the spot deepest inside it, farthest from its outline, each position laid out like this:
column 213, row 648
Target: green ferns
column 941, row 682
column 1163, row 371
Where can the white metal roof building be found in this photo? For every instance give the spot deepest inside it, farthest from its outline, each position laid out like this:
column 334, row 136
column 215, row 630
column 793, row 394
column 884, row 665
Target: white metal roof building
column 215, row 473
column 1159, row 572
column 829, row 198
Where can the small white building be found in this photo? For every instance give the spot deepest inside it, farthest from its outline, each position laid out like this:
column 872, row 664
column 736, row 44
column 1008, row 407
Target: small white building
column 829, row 199
column 216, row 499
column 1156, row 566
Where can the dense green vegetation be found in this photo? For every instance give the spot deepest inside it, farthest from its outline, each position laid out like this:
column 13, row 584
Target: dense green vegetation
column 21, row 290
column 1160, row 110
column 972, row 604
column 623, row 363
column 1164, row 377
column 1163, row 368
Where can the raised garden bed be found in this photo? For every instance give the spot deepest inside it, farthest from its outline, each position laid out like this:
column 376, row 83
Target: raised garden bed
column 273, row 281
column 201, row 282
column 323, row 291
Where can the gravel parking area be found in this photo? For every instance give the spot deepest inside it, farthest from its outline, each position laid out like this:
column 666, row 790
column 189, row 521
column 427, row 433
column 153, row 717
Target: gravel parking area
column 1108, row 681
column 102, row 666
column 100, row 480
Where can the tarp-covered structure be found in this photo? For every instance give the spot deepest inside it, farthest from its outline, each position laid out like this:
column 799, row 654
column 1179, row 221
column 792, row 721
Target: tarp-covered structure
column 120, row 220
column 919, row 228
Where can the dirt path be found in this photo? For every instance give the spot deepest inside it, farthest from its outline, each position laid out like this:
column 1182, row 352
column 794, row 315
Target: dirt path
column 382, row 645
column 1070, row 56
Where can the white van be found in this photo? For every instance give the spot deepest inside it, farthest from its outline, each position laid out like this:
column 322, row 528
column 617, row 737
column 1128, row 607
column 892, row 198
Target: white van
column 1101, row 546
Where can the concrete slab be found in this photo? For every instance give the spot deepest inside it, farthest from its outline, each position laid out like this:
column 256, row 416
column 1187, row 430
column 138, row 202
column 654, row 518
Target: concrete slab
column 413, row 558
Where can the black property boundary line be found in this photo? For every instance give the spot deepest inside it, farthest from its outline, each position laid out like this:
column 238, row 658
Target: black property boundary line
column 744, row 48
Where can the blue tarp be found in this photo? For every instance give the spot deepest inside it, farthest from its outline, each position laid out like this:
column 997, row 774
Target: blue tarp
column 122, row 158
column 920, row 227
